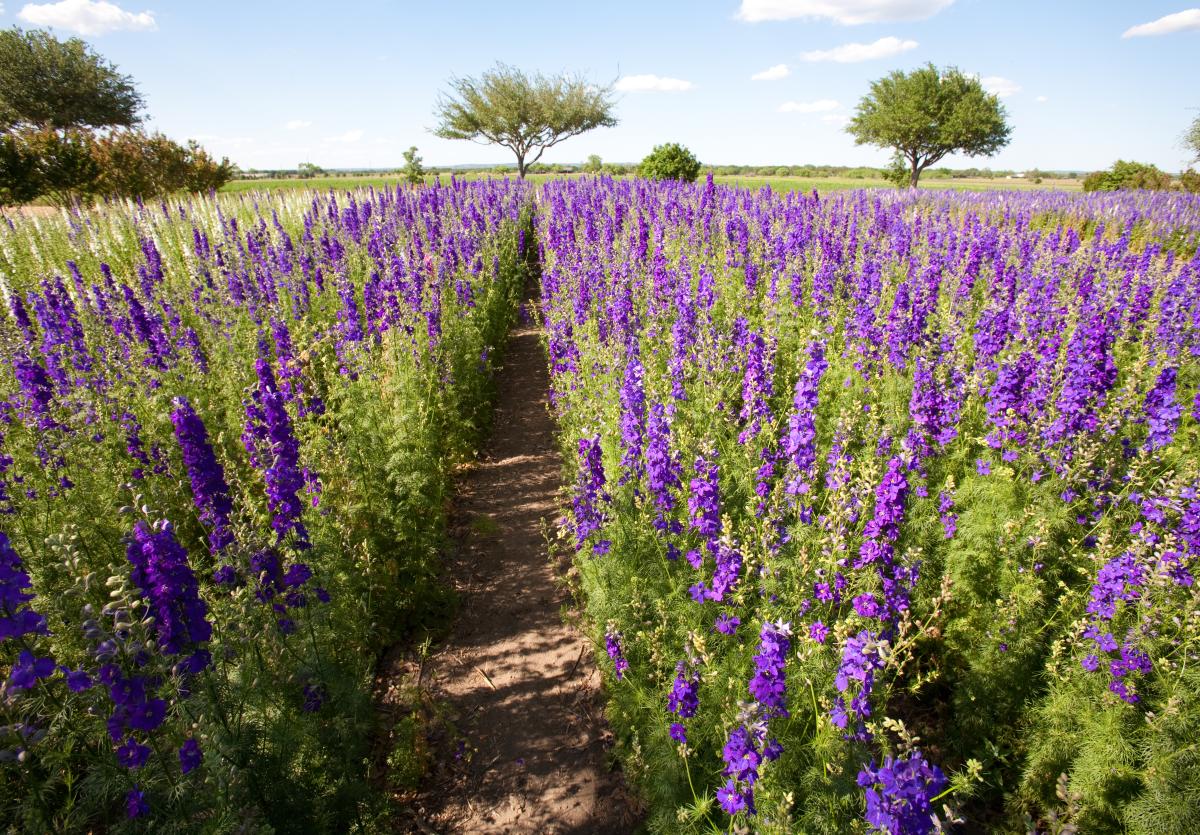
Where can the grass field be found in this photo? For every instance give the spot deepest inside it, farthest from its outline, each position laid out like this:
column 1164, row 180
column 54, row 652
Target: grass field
column 776, row 183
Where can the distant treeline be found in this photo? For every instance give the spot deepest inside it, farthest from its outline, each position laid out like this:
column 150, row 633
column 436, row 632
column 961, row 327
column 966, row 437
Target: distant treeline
column 621, row 168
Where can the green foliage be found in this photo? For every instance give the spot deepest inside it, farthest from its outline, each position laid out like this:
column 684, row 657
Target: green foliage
column 414, row 172
column 929, row 113
column 1127, row 175
column 670, row 162
column 73, row 165
column 65, row 168
column 308, row 170
column 594, row 164
column 135, row 164
column 50, row 83
column 18, row 172
column 1189, row 181
column 525, row 113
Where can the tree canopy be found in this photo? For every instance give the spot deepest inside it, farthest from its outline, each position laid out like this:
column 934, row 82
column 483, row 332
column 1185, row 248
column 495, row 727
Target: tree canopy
column 525, row 113
column 1191, row 140
column 929, row 113
column 48, row 83
column 671, row 161
column 1127, row 175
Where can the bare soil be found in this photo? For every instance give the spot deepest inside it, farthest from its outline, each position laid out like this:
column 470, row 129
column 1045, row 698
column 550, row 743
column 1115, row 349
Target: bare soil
column 525, row 748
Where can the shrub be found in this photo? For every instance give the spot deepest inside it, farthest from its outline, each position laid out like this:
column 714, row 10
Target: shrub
column 670, row 162
column 1127, row 175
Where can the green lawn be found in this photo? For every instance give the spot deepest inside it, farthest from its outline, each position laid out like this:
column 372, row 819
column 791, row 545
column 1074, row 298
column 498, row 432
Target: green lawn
column 777, row 183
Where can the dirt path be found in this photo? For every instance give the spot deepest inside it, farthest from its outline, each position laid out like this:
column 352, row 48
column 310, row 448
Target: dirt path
column 520, row 685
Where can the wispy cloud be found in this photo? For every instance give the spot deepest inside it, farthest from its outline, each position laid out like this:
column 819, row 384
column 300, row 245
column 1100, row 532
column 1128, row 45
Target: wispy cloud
column 835, row 118
column 818, row 106
column 652, row 84
column 297, row 124
column 847, row 12
column 347, row 137
column 1042, row 99
column 999, row 86
column 773, row 74
column 1166, row 25
column 87, row 17
column 852, row 53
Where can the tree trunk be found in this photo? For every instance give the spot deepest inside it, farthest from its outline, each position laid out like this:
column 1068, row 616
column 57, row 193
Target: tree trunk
column 521, row 166
column 914, row 176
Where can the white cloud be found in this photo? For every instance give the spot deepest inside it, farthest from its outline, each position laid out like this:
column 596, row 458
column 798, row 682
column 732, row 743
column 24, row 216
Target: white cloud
column 835, row 118
column 348, row 136
column 1042, row 99
column 297, row 124
column 999, row 86
column 87, row 17
column 773, row 74
column 652, row 83
column 818, row 106
column 848, row 12
column 852, row 53
column 1179, row 22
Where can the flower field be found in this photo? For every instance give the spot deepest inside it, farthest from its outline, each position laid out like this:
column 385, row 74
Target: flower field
column 228, row 430
column 886, row 505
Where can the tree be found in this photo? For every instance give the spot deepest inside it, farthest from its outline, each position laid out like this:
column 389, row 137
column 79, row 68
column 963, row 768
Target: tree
column 18, row 172
column 525, row 113
column 135, row 164
column 48, row 83
column 929, row 113
column 594, row 164
column 414, row 171
column 308, row 170
column 1127, row 175
column 670, row 162
column 1191, row 140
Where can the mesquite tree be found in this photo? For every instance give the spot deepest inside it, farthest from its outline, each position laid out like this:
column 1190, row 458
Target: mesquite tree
column 525, row 113
column 929, row 113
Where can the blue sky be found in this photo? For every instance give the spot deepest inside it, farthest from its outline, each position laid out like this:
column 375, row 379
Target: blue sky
column 352, row 84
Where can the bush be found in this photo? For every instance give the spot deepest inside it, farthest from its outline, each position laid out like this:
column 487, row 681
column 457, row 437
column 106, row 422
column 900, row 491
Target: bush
column 670, row 162
column 1127, row 175
column 71, row 165
column 1189, row 181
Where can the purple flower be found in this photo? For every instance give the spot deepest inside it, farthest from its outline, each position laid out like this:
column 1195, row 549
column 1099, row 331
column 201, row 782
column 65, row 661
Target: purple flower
column 683, row 700
column 16, row 619
column 135, row 803
column 899, row 794
column 612, row 644
column 818, row 632
column 209, row 489
column 1162, row 410
column 768, row 684
column 633, row 417
column 590, row 491
column 190, row 755
column 77, row 680
column 678, row 733
column 28, row 670
column 161, row 571
column 272, row 442
column 800, row 443
column 132, row 754
column 727, row 624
